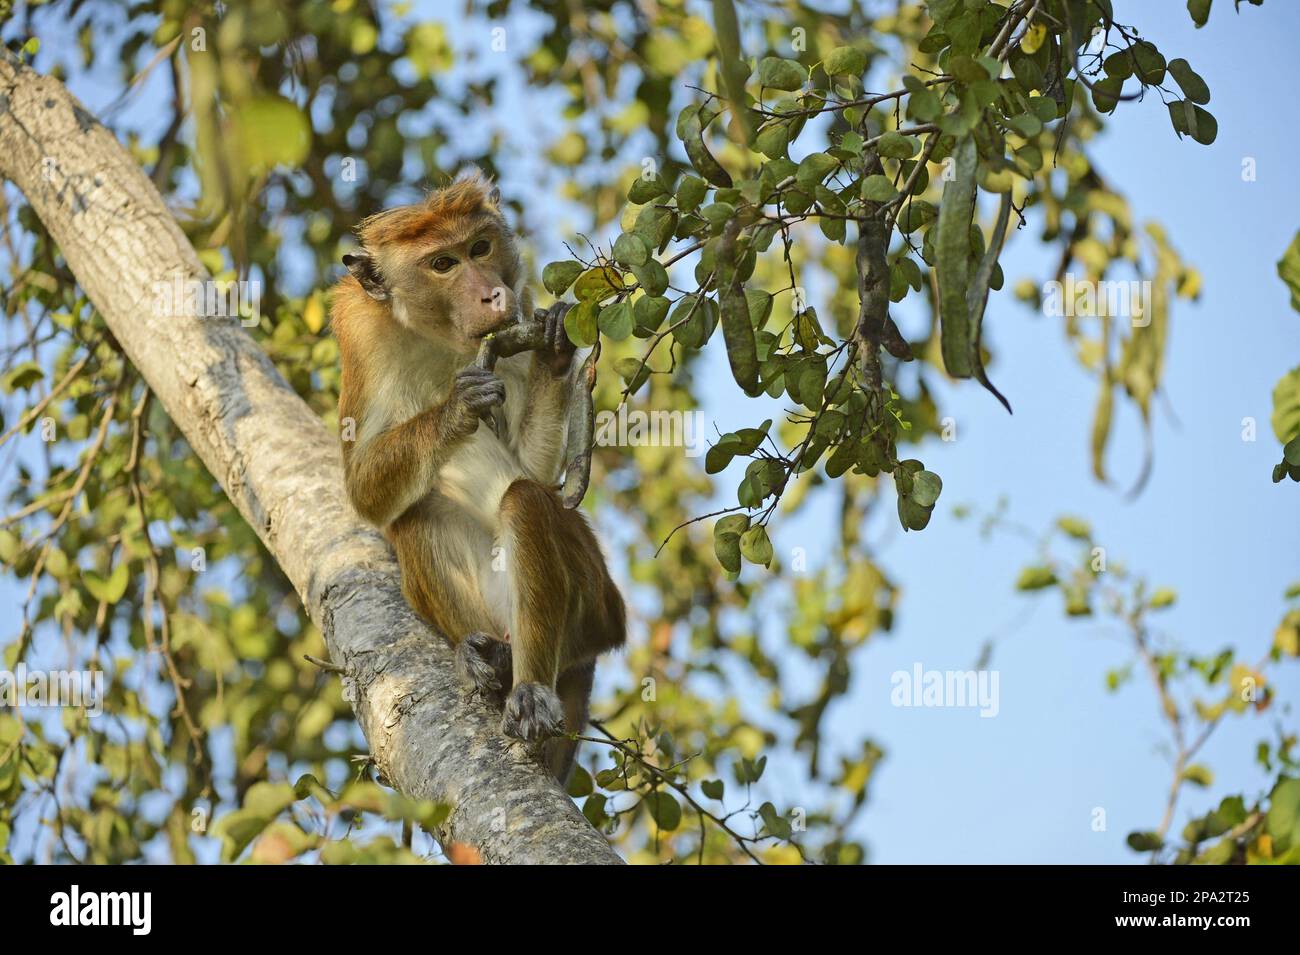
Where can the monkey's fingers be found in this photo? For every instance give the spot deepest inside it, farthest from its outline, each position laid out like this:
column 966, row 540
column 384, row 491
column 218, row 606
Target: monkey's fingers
column 481, row 398
column 475, row 375
column 556, row 336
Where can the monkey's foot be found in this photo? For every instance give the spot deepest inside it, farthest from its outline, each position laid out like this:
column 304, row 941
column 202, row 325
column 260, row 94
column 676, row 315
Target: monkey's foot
column 483, row 665
column 533, row 713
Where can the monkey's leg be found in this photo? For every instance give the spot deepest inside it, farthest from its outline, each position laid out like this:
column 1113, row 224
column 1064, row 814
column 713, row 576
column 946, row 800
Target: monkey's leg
column 543, row 596
column 447, row 577
column 563, row 604
column 574, row 690
column 483, row 664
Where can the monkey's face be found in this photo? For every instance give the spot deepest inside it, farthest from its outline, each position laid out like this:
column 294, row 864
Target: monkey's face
column 453, row 287
column 448, row 267
column 463, row 290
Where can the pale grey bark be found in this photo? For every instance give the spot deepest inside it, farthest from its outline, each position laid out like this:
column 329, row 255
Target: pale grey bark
column 282, row 470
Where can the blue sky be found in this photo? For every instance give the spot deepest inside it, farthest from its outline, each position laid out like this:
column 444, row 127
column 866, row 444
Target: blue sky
column 1022, row 787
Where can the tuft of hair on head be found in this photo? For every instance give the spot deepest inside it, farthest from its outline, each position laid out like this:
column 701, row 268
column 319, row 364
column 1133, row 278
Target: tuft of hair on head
column 470, row 194
column 471, row 187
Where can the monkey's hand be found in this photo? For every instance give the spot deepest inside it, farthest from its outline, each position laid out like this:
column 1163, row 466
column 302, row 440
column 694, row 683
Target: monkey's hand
column 556, row 351
column 533, row 713
column 474, row 392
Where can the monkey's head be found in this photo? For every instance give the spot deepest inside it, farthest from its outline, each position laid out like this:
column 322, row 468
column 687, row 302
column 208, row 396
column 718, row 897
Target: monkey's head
column 448, row 266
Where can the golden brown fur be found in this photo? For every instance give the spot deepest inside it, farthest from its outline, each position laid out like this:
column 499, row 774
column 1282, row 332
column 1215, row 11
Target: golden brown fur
column 487, row 551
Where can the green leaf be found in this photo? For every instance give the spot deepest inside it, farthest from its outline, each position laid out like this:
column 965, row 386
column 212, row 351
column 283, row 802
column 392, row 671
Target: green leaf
column 925, row 105
column 926, row 487
column 1149, row 64
column 616, row 321
column 645, row 190
column 1191, row 120
column 1199, row 11
column 776, row 824
column 107, row 590
column 773, row 139
column 580, row 324
column 781, row 74
column 691, row 192
column 596, row 285
column 1076, row 527
column 1291, row 452
column 894, row 145
column 630, row 249
column 1198, row 775
column 236, row 830
column 581, row 783
column 913, row 516
column 649, row 312
column 1288, row 270
column 272, row 132
column 755, row 546
column 9, row 544
column 634, row 371
column 1162, row 597
column 664, row 810
column 1106, row 94
column 1035, row 578
column 760, row 306
column 1284, row 810
column 845, row 61
column 1286, row 406
column 652, row 277
column 269, row 799
column 713, row 788
column 22, row 376
column 1144, row 841
column 558, row 276
column 1193, row 87
column 878, row 188
column 814, row 168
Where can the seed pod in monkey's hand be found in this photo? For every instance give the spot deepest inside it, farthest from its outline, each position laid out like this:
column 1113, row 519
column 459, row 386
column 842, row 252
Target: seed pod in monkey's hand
column 487, row 360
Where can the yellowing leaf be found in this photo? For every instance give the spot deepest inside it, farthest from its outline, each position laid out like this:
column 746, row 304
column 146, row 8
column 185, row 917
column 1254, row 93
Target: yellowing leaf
column 313, row 314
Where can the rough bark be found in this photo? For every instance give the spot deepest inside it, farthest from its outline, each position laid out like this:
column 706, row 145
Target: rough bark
column 282, row 470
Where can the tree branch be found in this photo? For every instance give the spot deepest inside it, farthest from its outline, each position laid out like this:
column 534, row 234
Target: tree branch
column 282, row 470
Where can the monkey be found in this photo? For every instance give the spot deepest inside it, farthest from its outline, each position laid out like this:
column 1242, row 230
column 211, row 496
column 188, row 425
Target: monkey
column 488, row 554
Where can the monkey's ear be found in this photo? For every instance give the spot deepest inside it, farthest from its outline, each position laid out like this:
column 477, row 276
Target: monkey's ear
column 364, row 270
column 494, row 196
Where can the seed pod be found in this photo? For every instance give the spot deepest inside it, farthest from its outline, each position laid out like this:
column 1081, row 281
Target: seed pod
column 737, row 329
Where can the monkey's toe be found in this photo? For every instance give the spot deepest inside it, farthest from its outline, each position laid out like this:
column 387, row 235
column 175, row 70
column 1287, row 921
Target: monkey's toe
column 533, row 713
column 479, row 664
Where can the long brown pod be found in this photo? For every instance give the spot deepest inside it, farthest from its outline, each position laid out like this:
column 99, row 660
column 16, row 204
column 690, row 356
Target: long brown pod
column 520, row 337
column 582, row 432
column 530, row 336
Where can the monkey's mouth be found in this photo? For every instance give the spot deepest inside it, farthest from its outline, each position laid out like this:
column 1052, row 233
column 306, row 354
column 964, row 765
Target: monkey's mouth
column 506, row 322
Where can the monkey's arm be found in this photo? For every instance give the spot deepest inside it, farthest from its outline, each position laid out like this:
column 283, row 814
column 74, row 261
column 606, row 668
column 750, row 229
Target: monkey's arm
column 390, row 471
column 545, row 420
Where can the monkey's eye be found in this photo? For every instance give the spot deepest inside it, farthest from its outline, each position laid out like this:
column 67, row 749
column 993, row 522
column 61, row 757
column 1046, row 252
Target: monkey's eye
column 480, row 248
column 444, row 263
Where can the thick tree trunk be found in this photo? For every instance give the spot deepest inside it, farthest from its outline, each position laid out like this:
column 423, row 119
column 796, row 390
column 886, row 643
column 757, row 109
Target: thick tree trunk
column 282, row 469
